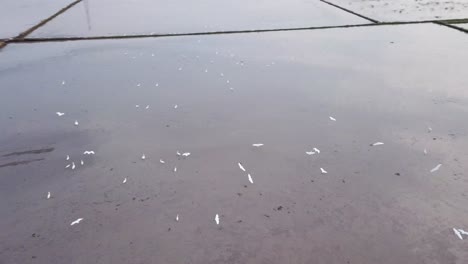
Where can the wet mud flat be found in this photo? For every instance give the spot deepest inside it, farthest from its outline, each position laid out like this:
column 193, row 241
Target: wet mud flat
column 403, row 10
column 330, row 146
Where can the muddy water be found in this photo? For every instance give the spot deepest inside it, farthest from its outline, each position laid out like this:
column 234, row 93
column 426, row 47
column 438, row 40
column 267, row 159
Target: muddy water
column 111, row 17
column 19, row 16
column 401, row 10
column 375, row 204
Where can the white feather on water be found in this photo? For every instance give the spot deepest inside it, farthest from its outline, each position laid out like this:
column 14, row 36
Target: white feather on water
column 89, row 152
column 162, row 161
column 332, row 118
column 310, row 153
column 317, row 150
column 377, row 144
column 48, row 195
column 60, row 113
column 124, row 181
column 217, row 219
column 257, row 145
column 323, row 171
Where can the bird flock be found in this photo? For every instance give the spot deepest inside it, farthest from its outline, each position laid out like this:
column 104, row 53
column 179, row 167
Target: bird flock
column 458, row 232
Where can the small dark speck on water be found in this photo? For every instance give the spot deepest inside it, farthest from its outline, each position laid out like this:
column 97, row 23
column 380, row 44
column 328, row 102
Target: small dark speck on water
column 397, row 174
column 279, row 208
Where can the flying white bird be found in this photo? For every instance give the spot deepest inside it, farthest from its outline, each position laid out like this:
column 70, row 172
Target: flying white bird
column 241, row 167
column 250, row 178
column 436, row 168
column 77, row 221
column 458, row 233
